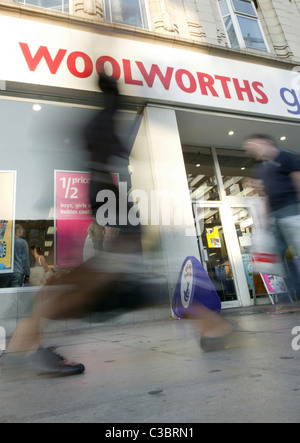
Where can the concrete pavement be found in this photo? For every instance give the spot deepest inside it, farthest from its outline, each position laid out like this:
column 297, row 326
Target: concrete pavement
column 154, row 372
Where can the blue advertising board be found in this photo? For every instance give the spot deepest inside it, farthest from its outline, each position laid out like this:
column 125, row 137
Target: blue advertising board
column 194, row 288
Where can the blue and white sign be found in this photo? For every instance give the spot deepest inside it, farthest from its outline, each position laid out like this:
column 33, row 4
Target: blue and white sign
column 194, row 288
column 187, row 284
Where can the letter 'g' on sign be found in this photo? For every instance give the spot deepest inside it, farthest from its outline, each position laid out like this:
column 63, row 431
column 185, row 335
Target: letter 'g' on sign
column 289, row 96
column 2, row 339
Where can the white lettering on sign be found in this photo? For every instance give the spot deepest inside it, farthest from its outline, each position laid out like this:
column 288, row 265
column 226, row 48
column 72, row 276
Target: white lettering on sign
column 296, row 340
column 187, row 284
column 2, row 339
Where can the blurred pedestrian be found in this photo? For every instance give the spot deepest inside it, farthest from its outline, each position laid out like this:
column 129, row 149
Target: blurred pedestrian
column 278, row 178
column 21, row 272
column 116, row 277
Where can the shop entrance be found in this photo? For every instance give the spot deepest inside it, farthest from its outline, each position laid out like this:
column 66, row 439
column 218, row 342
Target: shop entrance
column 227, row 212
column 212, row 240
column 225, row 233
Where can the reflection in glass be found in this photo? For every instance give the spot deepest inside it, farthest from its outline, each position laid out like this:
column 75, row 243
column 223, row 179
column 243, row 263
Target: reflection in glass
column 244, row 7
column 231, row 32
column 236, row 169
column 242, row 24
column 35, row 153
column 128, row 12
column 245, row 229
column 224, row 7
column 54, row 5
column 251, row 33
column 201, row 175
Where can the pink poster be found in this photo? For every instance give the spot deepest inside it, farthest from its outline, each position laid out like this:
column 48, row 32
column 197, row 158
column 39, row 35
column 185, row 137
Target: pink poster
column 274, row 284
column 73, row 217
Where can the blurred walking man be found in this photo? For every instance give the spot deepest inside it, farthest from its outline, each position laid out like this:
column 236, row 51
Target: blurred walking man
column 279, row 176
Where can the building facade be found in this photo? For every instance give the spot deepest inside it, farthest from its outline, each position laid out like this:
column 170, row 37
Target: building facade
column 196, row 78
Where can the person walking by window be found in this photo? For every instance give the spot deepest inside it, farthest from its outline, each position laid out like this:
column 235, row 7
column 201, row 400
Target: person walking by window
column 278, row 176
column 21, row 272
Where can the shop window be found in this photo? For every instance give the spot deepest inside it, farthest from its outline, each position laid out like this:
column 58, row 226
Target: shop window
column 44, row 183
column 127, row 12
column 236, row 169
column 242, row 24
column 201, row 175
column 53, row 5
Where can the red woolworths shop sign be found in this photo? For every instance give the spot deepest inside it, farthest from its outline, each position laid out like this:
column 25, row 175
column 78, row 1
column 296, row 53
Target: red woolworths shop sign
column 62, row 57
column 184, row 79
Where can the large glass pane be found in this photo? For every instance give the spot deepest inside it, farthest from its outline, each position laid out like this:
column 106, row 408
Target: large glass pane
column 52, row 183
column 244, row 7
column 129, row 12
column 201, row 175
column 245, row 228
column 231, row 32
column 236, row 169
column 214, row 252
column 54, row 5
column 224, row 7
column 251, row 33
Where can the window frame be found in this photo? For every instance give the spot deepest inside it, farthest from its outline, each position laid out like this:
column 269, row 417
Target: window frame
column 234, row 14
column 25, row 3
column 144, row 11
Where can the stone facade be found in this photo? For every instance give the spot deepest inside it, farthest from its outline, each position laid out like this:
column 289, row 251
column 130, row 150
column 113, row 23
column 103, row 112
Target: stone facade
column 200, row 21
column 89, row 9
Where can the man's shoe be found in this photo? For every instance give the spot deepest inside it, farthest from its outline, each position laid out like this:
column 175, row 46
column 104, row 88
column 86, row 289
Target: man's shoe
column 231, row 340
column 51, row 363
column 213, row 344
column 45, row 362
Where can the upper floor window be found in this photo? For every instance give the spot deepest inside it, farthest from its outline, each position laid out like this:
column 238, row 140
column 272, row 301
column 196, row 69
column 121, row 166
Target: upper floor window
column 127, row 12
column 53, row 5
column 242, row 24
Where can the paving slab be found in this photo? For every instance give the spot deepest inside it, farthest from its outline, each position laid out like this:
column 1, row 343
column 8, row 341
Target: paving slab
column 155, row 372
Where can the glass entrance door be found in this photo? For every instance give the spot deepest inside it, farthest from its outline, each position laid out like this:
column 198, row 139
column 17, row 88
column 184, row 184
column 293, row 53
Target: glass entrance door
column 245, row 228
column 246, row 221
column 225, row 234
column 214, row 252
column 246, row 212
column 227, row 209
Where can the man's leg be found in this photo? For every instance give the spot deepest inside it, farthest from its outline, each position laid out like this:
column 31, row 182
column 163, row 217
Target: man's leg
column 289, row 230
column 87, row 286
column 282, row 246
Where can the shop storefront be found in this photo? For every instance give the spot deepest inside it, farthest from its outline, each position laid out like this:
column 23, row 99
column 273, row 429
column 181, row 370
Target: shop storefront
column 179, row 107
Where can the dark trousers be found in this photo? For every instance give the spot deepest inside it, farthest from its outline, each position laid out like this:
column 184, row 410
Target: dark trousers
column 13, row 280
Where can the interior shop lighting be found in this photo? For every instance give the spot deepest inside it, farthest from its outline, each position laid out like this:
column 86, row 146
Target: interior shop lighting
column 36, row 107
column 196, row 180
column 50, row 230
column 231, row 133
column 283, row 138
